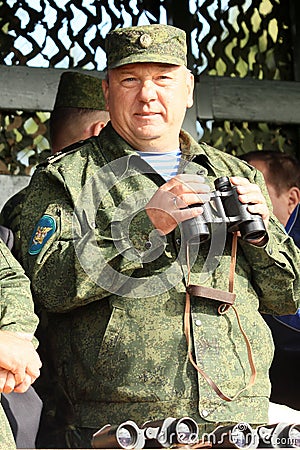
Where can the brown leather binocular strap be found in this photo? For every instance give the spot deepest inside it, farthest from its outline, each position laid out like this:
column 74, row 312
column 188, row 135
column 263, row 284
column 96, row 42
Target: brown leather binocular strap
column 223, row 308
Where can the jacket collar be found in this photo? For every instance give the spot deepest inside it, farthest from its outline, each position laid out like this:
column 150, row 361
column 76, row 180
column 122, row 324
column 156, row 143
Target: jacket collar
column 114, row 148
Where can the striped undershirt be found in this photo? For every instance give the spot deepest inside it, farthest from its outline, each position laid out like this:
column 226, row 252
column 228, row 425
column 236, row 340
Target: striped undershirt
column 164, row 163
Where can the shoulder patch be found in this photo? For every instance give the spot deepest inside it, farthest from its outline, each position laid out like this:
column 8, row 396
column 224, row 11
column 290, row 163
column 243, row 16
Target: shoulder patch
column 44, row 229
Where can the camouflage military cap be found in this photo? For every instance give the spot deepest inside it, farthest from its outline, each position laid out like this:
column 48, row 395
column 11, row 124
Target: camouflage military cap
column 79, row 90
column 147, row 43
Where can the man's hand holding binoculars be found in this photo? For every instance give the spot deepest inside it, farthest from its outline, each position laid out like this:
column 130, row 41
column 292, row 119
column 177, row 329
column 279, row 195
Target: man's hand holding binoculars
column 251, row 194
column 169, row 205
column 184, row 197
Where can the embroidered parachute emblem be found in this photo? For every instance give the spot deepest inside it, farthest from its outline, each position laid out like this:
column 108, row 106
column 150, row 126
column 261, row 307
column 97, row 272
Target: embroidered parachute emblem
column 44, row 229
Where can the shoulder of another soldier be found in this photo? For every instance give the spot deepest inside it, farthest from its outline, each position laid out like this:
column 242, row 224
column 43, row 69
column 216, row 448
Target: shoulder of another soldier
column 14, row 201
column 79, row 147
column 11, row 209
column 7, row 260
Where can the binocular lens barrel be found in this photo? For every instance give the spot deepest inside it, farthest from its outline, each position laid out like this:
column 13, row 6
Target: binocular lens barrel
column 222, row 184
column 126, row 436
column 252, row 230
column 241, row 438
column 225, row 208
column 238, row 436
column 280, row 435
column 186, row 431
column 288, row 437
column 294, row 435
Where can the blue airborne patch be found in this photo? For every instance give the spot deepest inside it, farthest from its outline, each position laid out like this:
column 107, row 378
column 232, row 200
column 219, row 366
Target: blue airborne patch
column 44, row 229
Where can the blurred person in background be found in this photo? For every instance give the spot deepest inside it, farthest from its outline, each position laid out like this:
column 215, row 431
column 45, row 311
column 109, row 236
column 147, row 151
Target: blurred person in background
column 281, row 172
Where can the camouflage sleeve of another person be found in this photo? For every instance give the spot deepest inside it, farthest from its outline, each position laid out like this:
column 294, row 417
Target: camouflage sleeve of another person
column 61, row 281
column 17, row 307
column 7, row 441
column 10, row 216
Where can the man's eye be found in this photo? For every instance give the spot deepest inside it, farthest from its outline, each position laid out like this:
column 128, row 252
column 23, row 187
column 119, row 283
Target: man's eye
column 129, row 80
column 164, row 79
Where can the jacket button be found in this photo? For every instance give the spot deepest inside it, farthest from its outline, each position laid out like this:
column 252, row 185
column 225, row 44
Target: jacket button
column 148, row 245
column 198, row 322
column 178, row 241
column 204, row 413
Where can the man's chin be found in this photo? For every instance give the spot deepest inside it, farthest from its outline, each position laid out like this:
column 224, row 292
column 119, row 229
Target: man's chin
column 148, row 132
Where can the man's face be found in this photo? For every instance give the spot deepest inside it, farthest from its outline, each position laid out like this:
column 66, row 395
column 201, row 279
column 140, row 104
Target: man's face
column 147, row 103
column 280, row 201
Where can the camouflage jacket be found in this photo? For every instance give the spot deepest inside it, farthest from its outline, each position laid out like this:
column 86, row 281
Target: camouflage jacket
column 6, row 437
column 17, row 315
column 115, row 290
column 10, row 216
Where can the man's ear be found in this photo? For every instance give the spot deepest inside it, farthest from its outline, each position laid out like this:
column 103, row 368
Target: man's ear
column 94, row 129
column 105, row 92
column 190, row 87
column 294, row 198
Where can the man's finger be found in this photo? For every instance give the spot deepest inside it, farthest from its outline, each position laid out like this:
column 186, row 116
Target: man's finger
column 19, row 375
column 23, row 387
column 9, row 384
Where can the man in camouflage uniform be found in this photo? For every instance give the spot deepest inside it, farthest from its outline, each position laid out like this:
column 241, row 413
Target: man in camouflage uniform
column 282, row 176
column 105, row 243
column 79, row 112
column 19, row 362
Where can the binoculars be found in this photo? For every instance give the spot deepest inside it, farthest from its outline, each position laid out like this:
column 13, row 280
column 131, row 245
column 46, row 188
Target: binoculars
column 184, row 432
column 280, row 435
column 224, row 207
column 241, row 435
column 153, row 434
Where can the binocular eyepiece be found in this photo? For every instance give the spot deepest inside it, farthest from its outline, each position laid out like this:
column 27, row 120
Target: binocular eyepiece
column 155, row 434
column 224, row 207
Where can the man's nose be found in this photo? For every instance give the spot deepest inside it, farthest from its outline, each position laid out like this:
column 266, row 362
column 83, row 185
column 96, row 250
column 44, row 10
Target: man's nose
column 147, row 91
